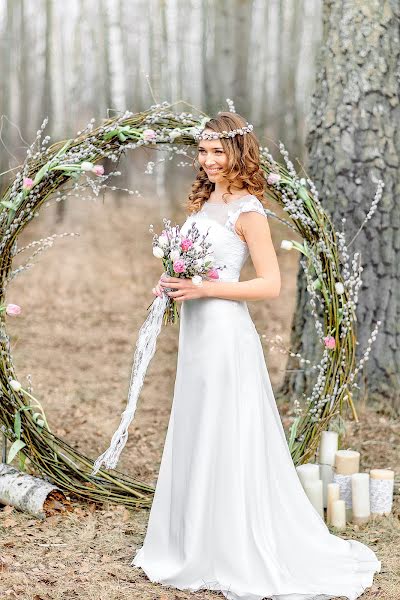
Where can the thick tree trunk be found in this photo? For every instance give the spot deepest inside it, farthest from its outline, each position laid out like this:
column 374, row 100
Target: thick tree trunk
column 353, row 140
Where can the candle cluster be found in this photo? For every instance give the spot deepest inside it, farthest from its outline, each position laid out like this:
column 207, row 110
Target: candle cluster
column 336, row 484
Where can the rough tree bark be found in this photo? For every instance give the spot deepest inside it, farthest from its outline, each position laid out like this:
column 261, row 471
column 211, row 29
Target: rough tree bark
column 31, row 494
column 353, row 140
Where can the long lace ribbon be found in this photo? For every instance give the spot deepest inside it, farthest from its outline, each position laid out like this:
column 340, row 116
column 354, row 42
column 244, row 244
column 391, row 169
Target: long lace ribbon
column 145, row 348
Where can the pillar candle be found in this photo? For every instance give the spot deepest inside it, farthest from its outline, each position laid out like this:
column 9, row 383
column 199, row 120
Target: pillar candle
column 360, row 497
column 308, row 472
column 333, row 493
column 327, row 478
column 381, row 490
column 328, row 447
column 313, row 489
column 339, row 514
column 344, row 482
column 347, row 462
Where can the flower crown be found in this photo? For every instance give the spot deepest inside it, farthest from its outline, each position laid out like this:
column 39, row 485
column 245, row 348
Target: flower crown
column 199, row 135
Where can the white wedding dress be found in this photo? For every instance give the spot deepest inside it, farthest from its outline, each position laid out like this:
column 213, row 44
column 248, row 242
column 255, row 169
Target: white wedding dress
column 229, row 512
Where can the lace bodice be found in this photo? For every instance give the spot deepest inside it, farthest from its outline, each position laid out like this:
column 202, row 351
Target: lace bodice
column 219, row 220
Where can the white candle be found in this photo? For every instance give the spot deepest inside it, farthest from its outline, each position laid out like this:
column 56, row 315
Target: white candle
column 347, row 462
column 328, row 446
column 344, row 482
column 308, row 472
column 360, row 497
column 326, row 457
column 333, row 494
column 381, row 491
column 313, row 489
column 327, row 478
column 339, row 514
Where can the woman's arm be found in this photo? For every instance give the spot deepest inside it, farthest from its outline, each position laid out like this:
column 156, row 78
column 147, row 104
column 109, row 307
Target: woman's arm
column 254, row 227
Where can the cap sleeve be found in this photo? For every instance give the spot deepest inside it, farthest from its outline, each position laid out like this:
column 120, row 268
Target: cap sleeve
column 251, row 204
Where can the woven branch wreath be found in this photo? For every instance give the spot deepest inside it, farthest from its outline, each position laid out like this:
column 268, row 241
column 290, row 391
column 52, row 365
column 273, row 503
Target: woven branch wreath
column 331, row 282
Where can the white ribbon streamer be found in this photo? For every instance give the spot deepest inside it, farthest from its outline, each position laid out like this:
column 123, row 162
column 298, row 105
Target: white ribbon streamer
column 145, row 348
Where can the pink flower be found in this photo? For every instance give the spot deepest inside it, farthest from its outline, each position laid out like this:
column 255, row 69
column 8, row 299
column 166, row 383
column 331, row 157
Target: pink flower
column 329, row 342
column 13, row 310
column 149, row 135
column 98, row 170
column 213, row 273
column 186, row 244
column 27, row 183
column 179, row 266
column 273, row 178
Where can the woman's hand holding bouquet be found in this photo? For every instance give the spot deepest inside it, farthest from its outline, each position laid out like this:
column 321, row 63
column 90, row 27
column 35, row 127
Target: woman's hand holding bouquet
column 188, row 263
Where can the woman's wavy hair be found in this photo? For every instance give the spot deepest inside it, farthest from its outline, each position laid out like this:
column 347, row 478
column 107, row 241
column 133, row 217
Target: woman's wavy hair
column 243, row 162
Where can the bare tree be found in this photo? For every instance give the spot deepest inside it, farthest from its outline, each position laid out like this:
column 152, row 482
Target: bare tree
column 116, row 55
column 105, row 54
column 352, row 142
column 47, row 96
column 241, row 79
column 292, row 115
column 23, row 72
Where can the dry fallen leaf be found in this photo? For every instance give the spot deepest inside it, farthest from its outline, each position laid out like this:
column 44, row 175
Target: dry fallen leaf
column 7, row 510
column 3, row 564
column 126, row 515
column 9, row 523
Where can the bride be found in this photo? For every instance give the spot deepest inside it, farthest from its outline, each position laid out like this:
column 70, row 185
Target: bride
column 229, row 513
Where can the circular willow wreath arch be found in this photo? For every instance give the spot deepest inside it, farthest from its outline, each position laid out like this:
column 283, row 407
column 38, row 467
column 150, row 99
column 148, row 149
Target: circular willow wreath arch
column 331, row 282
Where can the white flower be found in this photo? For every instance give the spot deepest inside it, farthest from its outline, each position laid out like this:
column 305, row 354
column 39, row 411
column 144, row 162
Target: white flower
column 163, row 240
column 197, row 280
column 286, row 244
column 174, row 134
column 199, row 262
column 209, row 258
column 339, row 287
column 15, row 385
column 197, row 248
column 87, row 166
column 158, row 252
column 174, row 255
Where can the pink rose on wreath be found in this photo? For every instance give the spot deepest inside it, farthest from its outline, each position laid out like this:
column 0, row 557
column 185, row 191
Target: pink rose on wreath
column 329, row 342
column 186, row 244
column 27, row 183
column 273, row 178
column 179, row 266
column 98, row 170
column 149, row 135
column 13, row 310
column 213, row 274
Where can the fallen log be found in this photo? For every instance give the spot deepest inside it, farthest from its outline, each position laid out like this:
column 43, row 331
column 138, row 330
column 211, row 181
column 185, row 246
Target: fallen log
column 31, row 494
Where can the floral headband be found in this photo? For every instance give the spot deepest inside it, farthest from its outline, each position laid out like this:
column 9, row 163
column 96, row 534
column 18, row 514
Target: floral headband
column 199, row 135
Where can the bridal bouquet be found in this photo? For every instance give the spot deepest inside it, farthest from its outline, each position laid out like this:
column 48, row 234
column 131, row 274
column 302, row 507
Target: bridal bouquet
column 182, row 255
